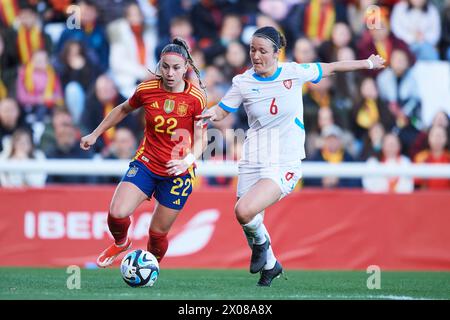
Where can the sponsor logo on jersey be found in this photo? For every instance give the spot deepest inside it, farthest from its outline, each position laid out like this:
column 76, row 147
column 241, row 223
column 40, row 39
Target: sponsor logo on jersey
column 169, row 105
column 305, row 65
column 288, row 84
column 182, row 109
column 154, row 105
column 132, row 172
column 255, row 90
column 145, row 158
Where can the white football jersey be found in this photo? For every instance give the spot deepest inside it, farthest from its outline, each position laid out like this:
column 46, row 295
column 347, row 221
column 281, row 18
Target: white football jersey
column 274, row 108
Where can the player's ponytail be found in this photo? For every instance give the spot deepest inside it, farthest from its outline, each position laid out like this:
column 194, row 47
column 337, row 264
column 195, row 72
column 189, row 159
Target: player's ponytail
column 183, row 44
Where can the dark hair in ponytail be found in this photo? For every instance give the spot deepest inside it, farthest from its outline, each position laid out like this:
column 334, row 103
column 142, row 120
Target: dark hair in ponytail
column 180, row 47
column 273, row 35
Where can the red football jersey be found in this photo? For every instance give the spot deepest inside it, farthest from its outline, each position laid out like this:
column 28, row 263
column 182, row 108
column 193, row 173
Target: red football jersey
column 169, row 122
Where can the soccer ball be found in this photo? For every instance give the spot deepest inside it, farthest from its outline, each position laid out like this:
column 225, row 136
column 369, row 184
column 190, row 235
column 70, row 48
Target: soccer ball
column 139, row 268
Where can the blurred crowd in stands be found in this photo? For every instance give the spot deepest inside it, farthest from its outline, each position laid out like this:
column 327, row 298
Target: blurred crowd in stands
column 64, row 67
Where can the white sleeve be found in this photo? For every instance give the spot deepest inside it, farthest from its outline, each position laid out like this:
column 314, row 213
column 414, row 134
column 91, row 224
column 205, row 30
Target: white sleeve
column 233, row 98
column 309, row 72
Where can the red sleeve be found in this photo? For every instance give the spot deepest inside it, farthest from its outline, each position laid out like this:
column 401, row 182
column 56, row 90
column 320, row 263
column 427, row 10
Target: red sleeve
column 199, row 107
column 135, row 100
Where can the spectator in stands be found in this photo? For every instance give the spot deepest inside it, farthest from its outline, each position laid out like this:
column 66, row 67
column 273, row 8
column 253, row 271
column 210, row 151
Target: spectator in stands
column 378, row 38
column 180, row 27
column 421, row 142
column 133, row 45
column 10, row 120
column 207, row 17
column 66, row 147
column 370, row 110
column 285, row 14
column 390, row 156
column 214, row 81
column 77, row 77
column 437, row 152
column 304, row 51
column 163, row 13
column 341, row 37
column 28, row 35
column 8, row 68
column 22, row 148
column 122, row 147
column 319, row 17
column 321, row 95
column 346, row 85
column 398, row 87
column 373, row 142
column 230, row 32
column 332, row 151
column 234, row 61
column 417, row 22
column 38, row 88
column 108, row 10
column 357, row 11
column 99, row 104
column 314, row 139
column 91, row 35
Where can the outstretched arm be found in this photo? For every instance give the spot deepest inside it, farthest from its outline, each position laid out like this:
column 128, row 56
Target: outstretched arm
column 215, row 113
column 373, row 62
column 114, row 117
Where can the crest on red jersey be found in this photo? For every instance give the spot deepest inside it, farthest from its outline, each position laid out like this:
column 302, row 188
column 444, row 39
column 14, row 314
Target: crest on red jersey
column 169, row 105
column 182, row 109
column 287, row 83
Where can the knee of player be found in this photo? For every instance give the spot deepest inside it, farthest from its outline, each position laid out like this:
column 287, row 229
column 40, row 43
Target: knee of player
column 243, row 213
column 119, row 211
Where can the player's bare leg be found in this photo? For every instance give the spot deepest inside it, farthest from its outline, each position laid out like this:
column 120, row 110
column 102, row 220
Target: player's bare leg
column 249, row 211
column 162, row 220
column 126, row 199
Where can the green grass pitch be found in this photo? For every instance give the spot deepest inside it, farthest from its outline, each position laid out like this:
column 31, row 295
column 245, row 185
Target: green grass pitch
column 200, row 284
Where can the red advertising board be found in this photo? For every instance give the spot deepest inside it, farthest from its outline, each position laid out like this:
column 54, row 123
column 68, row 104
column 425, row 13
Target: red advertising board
column 61, row 226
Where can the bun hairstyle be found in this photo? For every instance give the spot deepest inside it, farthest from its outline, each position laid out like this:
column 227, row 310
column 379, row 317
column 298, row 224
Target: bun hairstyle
column 181, row 48
column 273, row 35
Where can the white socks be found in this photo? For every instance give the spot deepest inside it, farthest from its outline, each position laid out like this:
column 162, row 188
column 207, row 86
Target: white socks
column 271, row 260
column 255, row 232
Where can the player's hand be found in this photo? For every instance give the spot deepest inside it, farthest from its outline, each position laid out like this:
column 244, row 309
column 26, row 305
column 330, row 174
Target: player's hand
column 207, row 114
column 176, row 167
column 378, row 61
column 87, row 141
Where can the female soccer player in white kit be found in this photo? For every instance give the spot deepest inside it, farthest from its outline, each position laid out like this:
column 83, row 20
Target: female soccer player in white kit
column 271, row 93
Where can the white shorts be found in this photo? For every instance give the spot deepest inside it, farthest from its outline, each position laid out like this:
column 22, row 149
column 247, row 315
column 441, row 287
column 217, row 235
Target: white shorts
column 286, row 177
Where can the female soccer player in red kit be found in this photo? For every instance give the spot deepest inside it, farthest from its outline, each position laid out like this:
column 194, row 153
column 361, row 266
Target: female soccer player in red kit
column 163, row 164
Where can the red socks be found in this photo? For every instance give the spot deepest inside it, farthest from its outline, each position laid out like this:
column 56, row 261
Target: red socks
column 157, row 244
column 119, row 228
